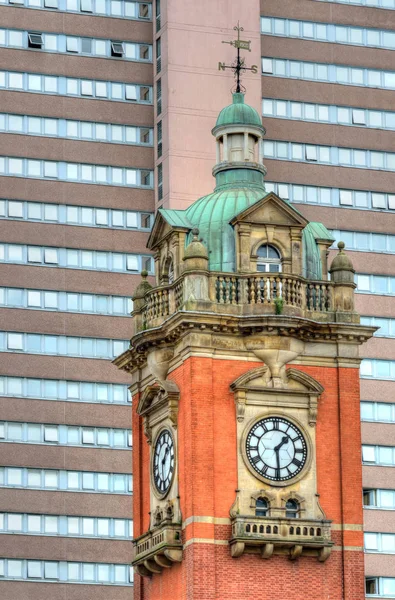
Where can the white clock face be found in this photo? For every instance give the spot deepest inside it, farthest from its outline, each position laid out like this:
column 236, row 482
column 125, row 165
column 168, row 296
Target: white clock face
column 276, row 449
column 163, row 462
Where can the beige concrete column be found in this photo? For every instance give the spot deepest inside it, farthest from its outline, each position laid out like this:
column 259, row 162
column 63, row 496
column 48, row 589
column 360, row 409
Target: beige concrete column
column 194, row 90
column 226, row 148
column 246, row 152
column 218, row 148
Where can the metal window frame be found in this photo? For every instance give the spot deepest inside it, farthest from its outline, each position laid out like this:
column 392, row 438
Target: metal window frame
column 33, row 43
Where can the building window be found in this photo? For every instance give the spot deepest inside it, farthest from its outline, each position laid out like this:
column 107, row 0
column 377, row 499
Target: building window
column 261, row 507
column 160, row 182
column 269, row 259
column 158, row 55
column 371, row 585
column 35, row 40
column 157, row 15
column 117, row 49
column 369, row 498
column 159, row 138
column 159, row 96
column 292, row 509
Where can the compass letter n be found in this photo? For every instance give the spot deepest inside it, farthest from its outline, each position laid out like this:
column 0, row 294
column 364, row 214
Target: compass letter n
column 221, row 66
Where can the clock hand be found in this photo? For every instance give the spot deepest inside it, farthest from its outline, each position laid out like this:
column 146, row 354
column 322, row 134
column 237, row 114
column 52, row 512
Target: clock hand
column 277, row 451
column 283, row 441
column 164, row 459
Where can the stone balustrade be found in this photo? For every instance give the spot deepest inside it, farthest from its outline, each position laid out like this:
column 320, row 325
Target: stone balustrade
column 270, row 534
column 245, row 294
column 157, row 549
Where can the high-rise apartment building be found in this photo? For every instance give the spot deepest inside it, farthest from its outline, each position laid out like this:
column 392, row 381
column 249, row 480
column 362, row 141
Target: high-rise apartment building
column 106, row 111
column 76, row 204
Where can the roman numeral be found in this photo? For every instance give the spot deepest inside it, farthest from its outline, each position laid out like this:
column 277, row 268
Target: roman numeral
column 254, row 447
column 256, row 459
column 264, row 469
column 275, row 425
column 277, row 474
column 296, row 462
column 298, row 450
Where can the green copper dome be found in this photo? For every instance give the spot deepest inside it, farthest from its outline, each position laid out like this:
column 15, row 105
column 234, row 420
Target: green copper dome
column 239, row 185
column 238, row 113
column 212, row 213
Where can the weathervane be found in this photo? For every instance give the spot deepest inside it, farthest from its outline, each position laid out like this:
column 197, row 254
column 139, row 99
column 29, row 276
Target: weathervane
column 238, row 66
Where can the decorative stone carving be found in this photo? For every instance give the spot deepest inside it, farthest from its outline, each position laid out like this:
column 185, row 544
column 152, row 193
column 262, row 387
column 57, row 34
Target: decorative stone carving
column 159, row 362
column 296, row 401
column 157, row 549
column 275, row 352
column 157, row 403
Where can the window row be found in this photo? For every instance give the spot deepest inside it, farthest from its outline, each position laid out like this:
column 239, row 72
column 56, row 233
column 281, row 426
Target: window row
column 67, row 86
column 375, row 284
column 66, row 526
column 377, row 587
column 328, row 113
column 65, row 302
column 61, row 345
column 64, row 435
column 320, row 195
column 76, row 130
column 377, row 369
column 375, row 498
column 378, row 455
column 75, row 259
column 327, row 32
column 387, row 326
column 72, row 481
column 331, row 155
column 379, row 542
column 68, row 214
column 378, row 411
column 75, row 172
column 347, row 75
column 55, row 42
column 65, row 391
column 375, row 3
column 67, row 572
column 360, row 240
column 121, row 9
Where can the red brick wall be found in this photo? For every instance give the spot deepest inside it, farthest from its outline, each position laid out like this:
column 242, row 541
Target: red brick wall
column 207, row 453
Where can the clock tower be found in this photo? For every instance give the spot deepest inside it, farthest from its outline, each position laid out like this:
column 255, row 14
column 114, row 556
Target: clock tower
column 245, row 382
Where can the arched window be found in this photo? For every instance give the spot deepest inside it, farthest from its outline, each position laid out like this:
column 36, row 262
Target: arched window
column 269, row 259
column 261, row 507
column 167, row 277
column 170, row 272
column 292, row 509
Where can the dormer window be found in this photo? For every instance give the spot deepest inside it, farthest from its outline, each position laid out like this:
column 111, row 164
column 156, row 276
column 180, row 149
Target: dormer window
column 269, row 259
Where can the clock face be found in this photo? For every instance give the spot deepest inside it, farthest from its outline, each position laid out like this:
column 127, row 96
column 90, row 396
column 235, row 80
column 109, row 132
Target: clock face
column 276, row 449
column 163, row 462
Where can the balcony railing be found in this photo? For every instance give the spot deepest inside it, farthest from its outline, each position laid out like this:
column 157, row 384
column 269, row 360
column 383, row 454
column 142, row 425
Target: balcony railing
column 296, row 535
column 246, row 294
column 157, row 549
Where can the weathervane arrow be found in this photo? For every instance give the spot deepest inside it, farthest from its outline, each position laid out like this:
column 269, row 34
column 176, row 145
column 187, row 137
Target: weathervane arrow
column 238, row 65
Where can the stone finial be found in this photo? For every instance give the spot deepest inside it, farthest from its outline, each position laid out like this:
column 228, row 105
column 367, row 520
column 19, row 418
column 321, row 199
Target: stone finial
column 196, row 255
column 341, row 269
column 143, row 287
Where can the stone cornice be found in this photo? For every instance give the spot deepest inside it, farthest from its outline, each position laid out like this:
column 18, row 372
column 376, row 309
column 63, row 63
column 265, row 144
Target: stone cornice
column 178, row 325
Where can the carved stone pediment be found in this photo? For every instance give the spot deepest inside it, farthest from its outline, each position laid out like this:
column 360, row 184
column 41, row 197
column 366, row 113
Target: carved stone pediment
column 158, row 403
column 271, row 209
column 299, row 390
